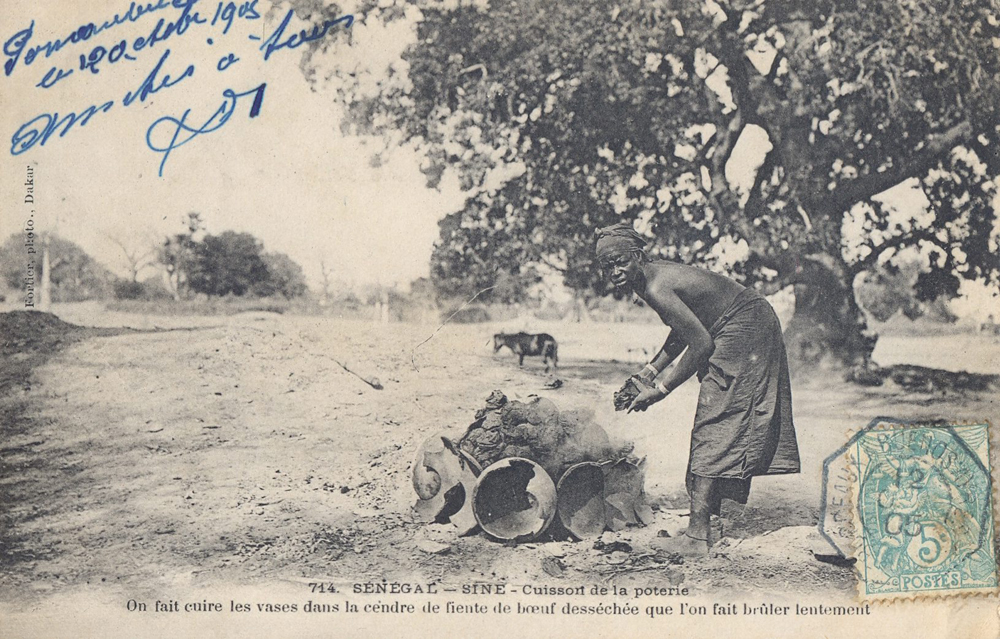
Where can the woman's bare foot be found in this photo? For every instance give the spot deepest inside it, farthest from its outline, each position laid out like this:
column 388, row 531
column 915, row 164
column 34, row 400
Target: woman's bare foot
column 684, row 545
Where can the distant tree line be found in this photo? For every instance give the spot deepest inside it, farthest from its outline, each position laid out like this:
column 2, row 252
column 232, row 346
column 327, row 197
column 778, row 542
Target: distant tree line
column 74, row 275
column 194, row 262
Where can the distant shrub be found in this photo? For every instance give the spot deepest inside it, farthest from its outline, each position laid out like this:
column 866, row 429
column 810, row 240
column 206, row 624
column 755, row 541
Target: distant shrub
column 468, row 315
column 128, row 290
column 149, row 290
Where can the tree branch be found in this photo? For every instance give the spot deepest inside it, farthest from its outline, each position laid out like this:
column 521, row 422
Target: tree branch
column 850, row 193
column 894, row 242
column 544, row 260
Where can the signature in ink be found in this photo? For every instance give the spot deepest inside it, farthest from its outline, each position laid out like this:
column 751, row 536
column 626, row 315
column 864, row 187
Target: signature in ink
column 169, row 133
column 274, row 43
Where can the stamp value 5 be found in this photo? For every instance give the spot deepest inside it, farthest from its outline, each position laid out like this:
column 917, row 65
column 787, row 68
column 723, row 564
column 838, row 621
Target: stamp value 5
column 924, row 511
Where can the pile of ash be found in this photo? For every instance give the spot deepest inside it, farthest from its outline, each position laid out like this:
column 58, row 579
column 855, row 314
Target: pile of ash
column 539, row 431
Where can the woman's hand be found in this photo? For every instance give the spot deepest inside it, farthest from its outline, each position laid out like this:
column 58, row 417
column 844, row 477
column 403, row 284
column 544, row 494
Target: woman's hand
column 646, row 398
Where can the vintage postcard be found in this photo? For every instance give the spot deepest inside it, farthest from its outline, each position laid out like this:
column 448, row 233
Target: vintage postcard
column 499, row 317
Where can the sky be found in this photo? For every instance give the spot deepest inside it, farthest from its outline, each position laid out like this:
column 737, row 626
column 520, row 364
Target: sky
column 287, row 176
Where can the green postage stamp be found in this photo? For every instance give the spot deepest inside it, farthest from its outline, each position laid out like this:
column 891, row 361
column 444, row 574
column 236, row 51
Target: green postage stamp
column 924, row 515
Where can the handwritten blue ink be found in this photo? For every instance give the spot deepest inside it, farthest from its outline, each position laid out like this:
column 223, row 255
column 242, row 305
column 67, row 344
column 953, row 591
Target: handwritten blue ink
column 47, row 80
column 18, row 43
column 152, row 84
column 97, row 55
column 247, row 10
column 173, row 127
column 177, row 27
column 14, row 45
column 273, row 42
column 226, row 61
column 39, row 129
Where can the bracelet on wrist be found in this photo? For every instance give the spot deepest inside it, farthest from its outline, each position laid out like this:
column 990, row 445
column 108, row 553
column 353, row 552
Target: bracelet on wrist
column 660, row 386
column 651, row 369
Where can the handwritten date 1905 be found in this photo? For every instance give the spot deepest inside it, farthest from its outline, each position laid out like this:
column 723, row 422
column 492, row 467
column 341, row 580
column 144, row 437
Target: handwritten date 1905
column 169, row 133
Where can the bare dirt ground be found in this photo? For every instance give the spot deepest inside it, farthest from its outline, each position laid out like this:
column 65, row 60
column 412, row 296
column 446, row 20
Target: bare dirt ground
column 183, row 452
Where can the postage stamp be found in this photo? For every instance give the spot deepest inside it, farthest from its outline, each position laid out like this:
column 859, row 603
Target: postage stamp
column 924, row 519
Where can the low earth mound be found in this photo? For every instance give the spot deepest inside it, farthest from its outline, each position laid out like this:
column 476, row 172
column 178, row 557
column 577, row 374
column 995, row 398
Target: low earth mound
column 21, row 331
column 27, row 338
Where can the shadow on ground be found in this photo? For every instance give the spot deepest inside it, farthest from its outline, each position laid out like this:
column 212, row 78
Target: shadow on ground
column 29, row 339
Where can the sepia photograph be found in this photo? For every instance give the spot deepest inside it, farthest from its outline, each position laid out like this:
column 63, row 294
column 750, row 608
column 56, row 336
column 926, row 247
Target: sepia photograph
column 579, row 318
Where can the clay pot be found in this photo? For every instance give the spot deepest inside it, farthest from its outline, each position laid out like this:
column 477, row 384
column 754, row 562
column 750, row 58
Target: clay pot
column 623, row 494
column 597, row 497
column 443, row 478
column 580, row 504
column 514, row 499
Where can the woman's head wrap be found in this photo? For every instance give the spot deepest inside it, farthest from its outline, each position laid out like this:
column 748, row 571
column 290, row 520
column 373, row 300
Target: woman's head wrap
column 618, row 238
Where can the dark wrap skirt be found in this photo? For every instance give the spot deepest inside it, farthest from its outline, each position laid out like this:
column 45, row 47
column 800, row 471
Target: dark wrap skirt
column 743, row 424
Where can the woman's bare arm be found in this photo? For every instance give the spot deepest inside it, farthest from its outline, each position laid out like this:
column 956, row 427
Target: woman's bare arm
column 671, row 348
column 691, row 334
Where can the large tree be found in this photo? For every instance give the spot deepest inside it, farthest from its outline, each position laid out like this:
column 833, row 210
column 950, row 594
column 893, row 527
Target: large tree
column 563, row 116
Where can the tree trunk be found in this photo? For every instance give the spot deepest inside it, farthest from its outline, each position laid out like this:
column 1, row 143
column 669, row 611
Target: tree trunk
column 580, row 311
column 45, row 287
column 828, row 328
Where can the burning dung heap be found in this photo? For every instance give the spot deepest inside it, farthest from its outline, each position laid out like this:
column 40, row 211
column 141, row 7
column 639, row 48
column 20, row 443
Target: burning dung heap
column 539, row 431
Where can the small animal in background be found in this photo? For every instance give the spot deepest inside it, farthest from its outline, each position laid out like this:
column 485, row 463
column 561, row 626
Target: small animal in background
column 523, row 344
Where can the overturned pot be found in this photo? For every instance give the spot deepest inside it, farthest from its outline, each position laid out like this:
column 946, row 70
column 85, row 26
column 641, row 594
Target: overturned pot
column 443, row 478
column 514, row 499
column 581, row 505
column 594, row 497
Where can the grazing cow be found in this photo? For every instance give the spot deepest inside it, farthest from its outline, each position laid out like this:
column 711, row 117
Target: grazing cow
column 523, row 344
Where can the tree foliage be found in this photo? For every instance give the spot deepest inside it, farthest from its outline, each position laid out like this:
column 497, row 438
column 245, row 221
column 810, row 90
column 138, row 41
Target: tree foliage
column 75, row 276
column 890, row 288
column 229, row 263
column 284, row 277
column 560, row 117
